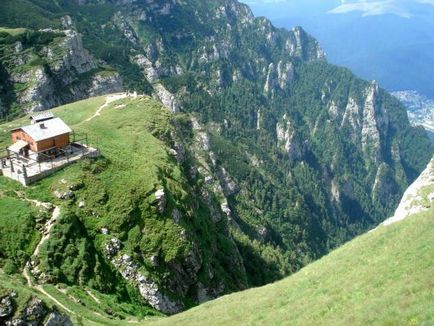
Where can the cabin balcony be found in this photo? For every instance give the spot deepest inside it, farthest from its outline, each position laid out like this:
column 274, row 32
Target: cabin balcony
column 30, row 167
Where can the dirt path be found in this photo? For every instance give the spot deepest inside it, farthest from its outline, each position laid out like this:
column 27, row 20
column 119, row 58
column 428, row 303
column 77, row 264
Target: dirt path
column 41, row 289
column 93, row 297
column 47, row 228
column 45, row 233
column 109, row 99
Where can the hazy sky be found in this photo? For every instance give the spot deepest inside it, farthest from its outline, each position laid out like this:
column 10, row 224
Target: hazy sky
column 401, row 8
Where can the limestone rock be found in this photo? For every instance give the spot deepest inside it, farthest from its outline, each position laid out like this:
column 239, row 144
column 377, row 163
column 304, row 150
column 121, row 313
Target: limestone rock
column 113, row 247
column 226, row 209
column 105, row 84
column 150, row 72
column 36, row 309
column 229, row 186
column 161, row 200
column 176, row 216
column 147, row 288
column 69, row 194
column 412, row 201
column 278, row 76
column 288, row 140
column 167, row 98
column 56, row 319
column 6, row 307
column 263, row 232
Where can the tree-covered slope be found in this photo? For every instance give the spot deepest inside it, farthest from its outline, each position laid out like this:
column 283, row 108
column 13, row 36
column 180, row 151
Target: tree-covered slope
column 380, row 278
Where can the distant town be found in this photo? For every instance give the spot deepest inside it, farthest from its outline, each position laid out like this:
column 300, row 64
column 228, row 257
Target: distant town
column 420, row 109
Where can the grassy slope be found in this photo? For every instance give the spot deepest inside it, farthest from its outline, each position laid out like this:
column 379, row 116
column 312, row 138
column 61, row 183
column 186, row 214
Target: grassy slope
column 128, row 137
column 383, row 278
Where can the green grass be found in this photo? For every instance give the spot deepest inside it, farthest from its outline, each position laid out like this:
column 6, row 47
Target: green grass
column 119, row 187
column 13, row 31
column 86, row 311
column 118, row 190
column 381, row 278
column 18, row 235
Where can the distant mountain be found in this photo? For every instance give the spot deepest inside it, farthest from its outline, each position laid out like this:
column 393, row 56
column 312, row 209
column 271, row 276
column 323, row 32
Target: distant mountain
column 394, row 49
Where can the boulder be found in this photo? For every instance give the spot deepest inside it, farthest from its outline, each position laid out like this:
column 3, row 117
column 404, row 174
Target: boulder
column 36, row 309
column 176, row 215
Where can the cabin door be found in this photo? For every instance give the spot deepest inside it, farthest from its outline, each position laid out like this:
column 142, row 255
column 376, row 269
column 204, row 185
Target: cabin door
column 24, row 152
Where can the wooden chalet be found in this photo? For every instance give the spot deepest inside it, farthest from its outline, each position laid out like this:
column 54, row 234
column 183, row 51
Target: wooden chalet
column 45, row 133
column 41, row 148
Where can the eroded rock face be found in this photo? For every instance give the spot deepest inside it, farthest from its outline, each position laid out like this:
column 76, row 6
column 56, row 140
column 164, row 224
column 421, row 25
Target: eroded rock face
column 57, row 319
column 370, row 128
column 160, row 197
column 168, row 99
column 417, row 197
column 105, row 84
column 149, row 290
column 64, row 75
column 112, row 247
column 278, row 76
column 288, row 139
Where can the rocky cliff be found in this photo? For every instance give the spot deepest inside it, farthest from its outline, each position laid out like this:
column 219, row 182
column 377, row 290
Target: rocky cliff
column 46, row 68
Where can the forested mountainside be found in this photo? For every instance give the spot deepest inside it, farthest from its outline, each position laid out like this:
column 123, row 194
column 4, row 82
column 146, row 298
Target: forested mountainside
column 280, row 156
column 381, row 277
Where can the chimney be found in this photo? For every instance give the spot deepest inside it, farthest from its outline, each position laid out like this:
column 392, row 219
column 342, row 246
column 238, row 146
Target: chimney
column 42, row 126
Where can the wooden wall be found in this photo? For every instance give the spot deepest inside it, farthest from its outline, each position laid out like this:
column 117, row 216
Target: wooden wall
column 21, row 135
column 58, row 141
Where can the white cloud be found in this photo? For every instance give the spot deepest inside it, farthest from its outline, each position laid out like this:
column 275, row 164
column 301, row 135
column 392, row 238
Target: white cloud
column 249, row 2
column 402, row 8
column 374, row 8
column 428, row 2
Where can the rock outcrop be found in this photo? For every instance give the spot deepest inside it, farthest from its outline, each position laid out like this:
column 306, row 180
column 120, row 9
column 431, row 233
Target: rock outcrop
column 130, row 271
column 34, row 312
column 55, row 72
column 288, row 140
column 417, row 198
column 148, row 288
